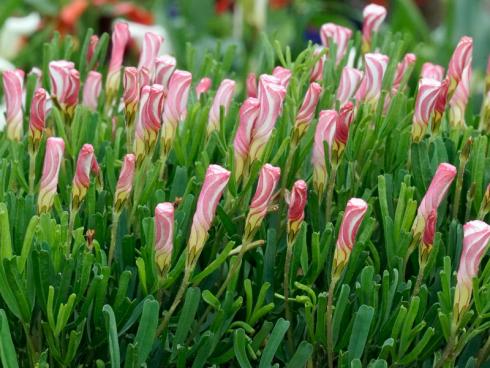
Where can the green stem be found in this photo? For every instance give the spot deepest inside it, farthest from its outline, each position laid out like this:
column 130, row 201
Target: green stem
column 331, row 290
column 112, row 249
column 420, row 278
column 330, row 189
column 459, row 187
column 32, row 171
column 287, row 266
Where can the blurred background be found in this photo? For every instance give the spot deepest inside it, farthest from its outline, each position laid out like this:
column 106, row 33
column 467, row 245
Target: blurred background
column 430, row 27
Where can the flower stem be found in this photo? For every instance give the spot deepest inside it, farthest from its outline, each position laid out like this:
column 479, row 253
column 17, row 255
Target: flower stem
column 330, row 188
column 331, row 290
column 32, row 171
column 115, row 223
column 420, row 278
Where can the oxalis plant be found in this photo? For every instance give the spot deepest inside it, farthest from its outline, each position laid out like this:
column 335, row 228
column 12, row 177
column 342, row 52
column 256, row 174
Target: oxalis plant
column 325, row 214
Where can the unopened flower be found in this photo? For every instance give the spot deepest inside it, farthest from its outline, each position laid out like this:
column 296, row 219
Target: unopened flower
column 428, row 235
column 81, row 180
column 476, row 235
column 433, row 71
column 53, row 156
column 339, row 35
column 164, row 67
column 375, row 68
column 402, row 69
column 149, row 120
column 459, row 100
column 461, row 58
column 91, row 90
column 131, row 94
column 268, row 180
column 203, row 86
column 428, row 91
column 440, row 105
column 92, row 45
column 373, row 17
column 283, row 74
column 150, row 50
column 353, row 215
column 175, row 107
column 65, row 84
column 296, row 211
column 307, row 110
column 13, row 82
column 211, row 192
column 125, row 182
column 37, row 117
column 316, row 74
column 251, row 85
column 222, row 99
column 164, row 235
column 120, row 38
column 348, row 85
column 271, row 96
column 247, row 116
column 341, row 135
column 325, row 131
column 144, row 77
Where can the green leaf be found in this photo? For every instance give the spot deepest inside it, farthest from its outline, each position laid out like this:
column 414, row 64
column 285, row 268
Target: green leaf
column 147, row 330
column 301, row 356
column 275, row 340
column 187, row 316
column 360, row 331
column 239, row 347
column 7, row 349
column 111, row 328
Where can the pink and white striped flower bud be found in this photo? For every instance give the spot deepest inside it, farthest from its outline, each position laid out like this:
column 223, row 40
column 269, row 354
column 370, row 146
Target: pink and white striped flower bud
column 428, row 236
column 37, row 117
column 306, row 111
column 223, row 98
column 375, row 68
column 251, row 85
column 440, row 105
column 283, row 74
column 212, row 189
column 316, row 74
column 120, row 38
column 348, row 85
column 149, row 120
column 339, row 35
column 13, row 82
column 461, row 58
column 65, row 84
column 164, row 67
column 175, row 107
column 92, row 45
column 248, row 115
column 164, row 235
column 457, row 104
column 325, row 131
column 476, row 235
column 268, row 180
column 203, row 86
column 438, row 188
column 432, row 71
column 125, row 182
column 427, row 94
column 131, row 94
column 353, row 215
column 341, row 135
column 150, row 50
column 271, row 96
column 53, row 156
column 296, row 211
column 81, row 180
column 402, row 69
column 91, row 90
column 144, row 77
column 373, row 17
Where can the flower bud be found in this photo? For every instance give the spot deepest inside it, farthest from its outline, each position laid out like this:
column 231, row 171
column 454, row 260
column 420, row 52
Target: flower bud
column 13, row 82
column 164, row 68
column 339, row 35
column 296, row 211
column 150, row 50
column 283, row 74
column 211, row 192
column 461, row 58
column 65, row 84
column 51, row 168
column 375, row 68
column 353, row 215
column 432, row 71
column 91, row 90
column 402, row 69
column 373, row 15
column 316, row 74
column 476, row 235
column 92, row 45
column 268, row 179
column 348, row 85
column 164, row 235
column 203, row 86
column 306, row 111
column 325, row 131
column 131, row 94
column 81, row 180
column 223, row 98
column 120, row 38
column 243, row 138
column 37, row 117
column 271, row 96
column 428, row 91
column 459, row 101
column 251, row 85
column 440, row 105
column 125, row 182
column 341, row 135
column 175, row 107
column 149, row 120
column 144, row 78
column 428, row 235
